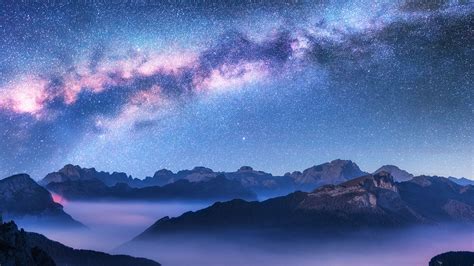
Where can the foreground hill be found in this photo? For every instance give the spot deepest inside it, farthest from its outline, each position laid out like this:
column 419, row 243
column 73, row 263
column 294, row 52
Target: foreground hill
column 15, row 249
column 22, row 198
column 18, row 247
column 370, row 202
column 219, row 188
column 455, row 258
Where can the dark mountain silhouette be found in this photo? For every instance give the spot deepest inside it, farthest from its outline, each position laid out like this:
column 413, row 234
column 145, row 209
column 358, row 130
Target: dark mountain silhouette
column 367, row 202
column 218, row 188
column 455, row 258
column 22, row 198
column 398, row 174
column 15, row 250
column 18, row 247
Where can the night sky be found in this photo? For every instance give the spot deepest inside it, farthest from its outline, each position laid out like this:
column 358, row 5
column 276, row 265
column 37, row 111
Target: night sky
column 277, row 85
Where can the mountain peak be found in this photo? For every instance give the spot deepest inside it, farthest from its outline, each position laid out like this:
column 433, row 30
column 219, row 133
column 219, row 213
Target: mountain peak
column 163, row 172
column 336, row 171
column 341, row 162
column 202, row 169
column 19, row 181
column 398, row 174
column 245, row 169
column 71, row 170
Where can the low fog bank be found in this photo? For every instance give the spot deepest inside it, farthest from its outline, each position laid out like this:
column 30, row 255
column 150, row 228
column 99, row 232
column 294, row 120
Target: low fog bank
column 109, row 224
column 414, row 246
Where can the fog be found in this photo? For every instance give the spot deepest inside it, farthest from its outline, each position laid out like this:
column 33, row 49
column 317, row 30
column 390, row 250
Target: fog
column 111, row 224
column 414, row 246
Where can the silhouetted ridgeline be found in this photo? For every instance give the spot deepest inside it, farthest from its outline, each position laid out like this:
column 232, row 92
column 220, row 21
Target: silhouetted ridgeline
column 21, row 248
column 454, row 258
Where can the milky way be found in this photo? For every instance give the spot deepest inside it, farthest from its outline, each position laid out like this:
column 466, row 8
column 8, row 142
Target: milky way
column 280, row 85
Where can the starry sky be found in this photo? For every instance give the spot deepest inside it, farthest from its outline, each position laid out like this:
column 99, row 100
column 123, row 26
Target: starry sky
column 137, row 86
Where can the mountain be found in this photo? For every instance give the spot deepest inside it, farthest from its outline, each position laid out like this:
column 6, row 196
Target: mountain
column 457, row 258
column 218, row 188
column 437, row 198
column 333, row 172
column 74, row 172
column 22, row 198
column 18, row 247
column 461, row 181
column 398, row 174
column 367, row 202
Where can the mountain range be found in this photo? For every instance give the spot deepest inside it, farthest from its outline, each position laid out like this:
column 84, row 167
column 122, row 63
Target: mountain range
column 218, row 188
column 74, row 182
column 261, row 183
column 343, row 198
column 367, row 202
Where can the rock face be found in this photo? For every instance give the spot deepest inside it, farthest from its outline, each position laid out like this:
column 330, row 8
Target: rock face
column 21, row 197
column 458, row 258
column 371, row 201
column 18, row 247
column 74, row 172
column 218, row 188
column 334, row 172
column 15, row 250
column 398, row 174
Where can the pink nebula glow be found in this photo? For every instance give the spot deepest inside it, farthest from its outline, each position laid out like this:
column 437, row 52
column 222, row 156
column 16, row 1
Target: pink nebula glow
column 27, row 95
